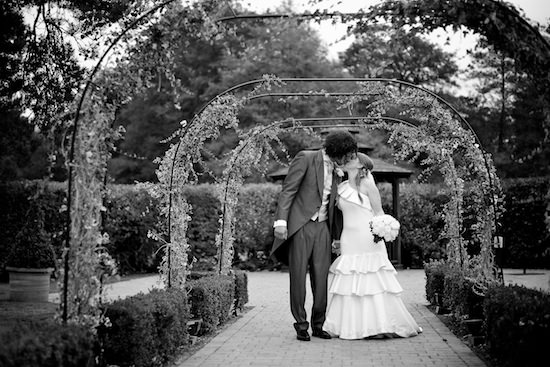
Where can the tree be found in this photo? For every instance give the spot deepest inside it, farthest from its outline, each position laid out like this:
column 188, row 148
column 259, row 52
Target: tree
column 501, row 26
column 205, row 68
column 41, row 75
column 507, row 113
column 382, row 51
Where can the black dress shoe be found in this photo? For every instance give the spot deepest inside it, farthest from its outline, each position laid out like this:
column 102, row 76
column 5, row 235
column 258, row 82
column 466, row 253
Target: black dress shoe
column 320, row 333
column 303, row 335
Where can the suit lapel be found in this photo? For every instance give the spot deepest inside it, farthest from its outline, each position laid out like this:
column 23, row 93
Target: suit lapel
column 320, row 172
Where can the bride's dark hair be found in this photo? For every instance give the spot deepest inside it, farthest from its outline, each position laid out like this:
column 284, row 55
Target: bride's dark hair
column 367, row 165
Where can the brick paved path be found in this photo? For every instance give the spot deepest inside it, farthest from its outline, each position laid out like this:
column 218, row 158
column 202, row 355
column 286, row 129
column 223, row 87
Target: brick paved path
column 264, row 336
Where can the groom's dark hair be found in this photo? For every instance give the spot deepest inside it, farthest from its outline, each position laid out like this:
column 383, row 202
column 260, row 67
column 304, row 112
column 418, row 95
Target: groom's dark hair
column 340, row 143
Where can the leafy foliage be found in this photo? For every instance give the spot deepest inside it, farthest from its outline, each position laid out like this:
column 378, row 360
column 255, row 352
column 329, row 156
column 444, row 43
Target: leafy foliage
column 129, row 215
column 47, row 344
column 253, row 151
column 32, row 246
column 500, row 23
column 381, row 51
column 212, row 299
column 517, row 324
column 146, row 329
column 501, row 26
column 436, row 133
column 527, row 245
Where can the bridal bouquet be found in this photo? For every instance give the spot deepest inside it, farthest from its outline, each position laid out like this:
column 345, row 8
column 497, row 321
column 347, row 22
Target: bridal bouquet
column 384, row 227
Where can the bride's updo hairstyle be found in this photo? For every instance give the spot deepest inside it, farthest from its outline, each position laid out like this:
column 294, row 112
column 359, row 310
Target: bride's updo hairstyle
column 367, row 164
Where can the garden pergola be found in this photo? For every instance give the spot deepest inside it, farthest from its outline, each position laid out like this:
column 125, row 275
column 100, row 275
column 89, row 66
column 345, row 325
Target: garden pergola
column 133, row 24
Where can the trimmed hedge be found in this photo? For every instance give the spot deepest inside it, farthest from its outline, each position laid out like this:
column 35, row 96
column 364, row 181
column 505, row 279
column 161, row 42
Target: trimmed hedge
column 212, row 299
column 143, row 330
column 131, row 213
column 516, row 319
column 435, row 279
column 421, row 221
column 254, row 226
column 203, row 227
column 241, row 290
column 459, row 295
column 146, row 329
column 19, row 198
column 47, row 344
column 526, row 238
column 241, row 285
column 517, row 325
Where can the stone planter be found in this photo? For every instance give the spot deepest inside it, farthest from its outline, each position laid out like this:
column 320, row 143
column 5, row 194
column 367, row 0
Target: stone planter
column 29, row 285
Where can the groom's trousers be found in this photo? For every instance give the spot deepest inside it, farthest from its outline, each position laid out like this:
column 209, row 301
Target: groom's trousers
column 309, row 247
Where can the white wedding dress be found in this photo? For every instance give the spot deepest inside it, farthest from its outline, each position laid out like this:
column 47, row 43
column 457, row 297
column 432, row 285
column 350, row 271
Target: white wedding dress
column 363, row 293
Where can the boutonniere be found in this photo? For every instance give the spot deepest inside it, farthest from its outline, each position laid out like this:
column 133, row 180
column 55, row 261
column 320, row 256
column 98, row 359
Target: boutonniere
column 339, row 172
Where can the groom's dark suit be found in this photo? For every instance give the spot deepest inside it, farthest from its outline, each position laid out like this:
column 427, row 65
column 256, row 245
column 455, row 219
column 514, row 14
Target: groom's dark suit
column 309, row 241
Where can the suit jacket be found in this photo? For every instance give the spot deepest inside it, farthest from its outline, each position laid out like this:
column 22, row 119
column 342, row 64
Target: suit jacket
column 301, row 198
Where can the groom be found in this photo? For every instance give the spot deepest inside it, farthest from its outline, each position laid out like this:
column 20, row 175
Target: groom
column 306, row 224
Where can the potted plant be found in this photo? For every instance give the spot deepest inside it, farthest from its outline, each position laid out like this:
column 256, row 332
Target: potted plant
column 31, row 261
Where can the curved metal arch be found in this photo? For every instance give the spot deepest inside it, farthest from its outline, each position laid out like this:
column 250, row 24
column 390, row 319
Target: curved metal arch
column 288, row 120
column 89, row 81
column 355, row 80
column 337, row 80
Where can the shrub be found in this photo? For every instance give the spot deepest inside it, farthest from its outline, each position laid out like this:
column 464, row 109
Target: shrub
column 517, row 325
column 435, row 279
column 459, row 295
column 524, row 229
column 421, row 223
column 241, row 290
column 47, row 344
column 211, row 299
column 255, row 213
column 130, row 214
column 203, row 227
column 32, row 244
column 146, row 329
column 21, row 198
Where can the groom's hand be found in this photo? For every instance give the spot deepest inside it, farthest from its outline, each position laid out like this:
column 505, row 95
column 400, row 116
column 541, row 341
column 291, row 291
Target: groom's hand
column 336, row 247
column 281, row 232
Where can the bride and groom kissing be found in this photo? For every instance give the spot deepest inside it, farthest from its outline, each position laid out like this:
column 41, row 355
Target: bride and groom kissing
column 357, row 295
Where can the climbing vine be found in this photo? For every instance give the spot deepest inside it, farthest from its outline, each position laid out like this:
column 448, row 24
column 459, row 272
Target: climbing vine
column 87, row 257
column 437, row 137
column 254, row 151
column 177, row 168
column 437, row 134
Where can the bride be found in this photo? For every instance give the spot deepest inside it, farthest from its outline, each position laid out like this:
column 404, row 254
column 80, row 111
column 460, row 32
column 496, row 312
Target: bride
column 364, row 295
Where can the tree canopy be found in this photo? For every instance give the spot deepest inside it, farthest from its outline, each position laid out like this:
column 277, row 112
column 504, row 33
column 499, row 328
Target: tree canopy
column 185, row 67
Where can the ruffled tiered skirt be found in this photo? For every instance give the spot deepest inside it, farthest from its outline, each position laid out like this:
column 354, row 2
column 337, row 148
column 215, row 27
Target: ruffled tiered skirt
column 364, row 299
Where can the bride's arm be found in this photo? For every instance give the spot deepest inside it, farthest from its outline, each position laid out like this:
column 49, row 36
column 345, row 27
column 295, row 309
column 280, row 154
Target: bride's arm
column 368, row 187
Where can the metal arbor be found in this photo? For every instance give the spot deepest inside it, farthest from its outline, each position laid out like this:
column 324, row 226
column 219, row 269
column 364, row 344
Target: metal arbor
column 89, row 82
column 360, row 122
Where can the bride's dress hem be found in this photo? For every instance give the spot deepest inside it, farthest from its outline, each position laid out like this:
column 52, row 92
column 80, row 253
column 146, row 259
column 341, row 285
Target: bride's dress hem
column 364, row 295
